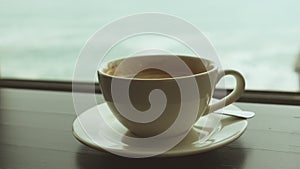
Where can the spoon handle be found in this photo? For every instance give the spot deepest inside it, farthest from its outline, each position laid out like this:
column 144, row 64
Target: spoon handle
column 237, row 113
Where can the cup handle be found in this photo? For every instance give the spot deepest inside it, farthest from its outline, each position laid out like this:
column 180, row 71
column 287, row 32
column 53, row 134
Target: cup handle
column 234, row 95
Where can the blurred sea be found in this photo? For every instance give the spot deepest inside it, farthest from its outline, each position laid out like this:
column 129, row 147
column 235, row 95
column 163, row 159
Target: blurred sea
column 261, row 39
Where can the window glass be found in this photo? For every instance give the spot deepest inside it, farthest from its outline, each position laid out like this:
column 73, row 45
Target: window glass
column 42, row 39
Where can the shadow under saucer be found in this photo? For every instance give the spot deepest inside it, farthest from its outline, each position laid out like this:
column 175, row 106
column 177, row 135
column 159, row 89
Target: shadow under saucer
column 218, row 158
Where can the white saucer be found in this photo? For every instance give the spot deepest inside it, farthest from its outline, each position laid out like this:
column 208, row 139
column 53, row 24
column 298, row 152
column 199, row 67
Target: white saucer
column 230, row 129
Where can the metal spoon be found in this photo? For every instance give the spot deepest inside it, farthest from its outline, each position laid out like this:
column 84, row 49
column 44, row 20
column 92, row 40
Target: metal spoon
column 237, row 113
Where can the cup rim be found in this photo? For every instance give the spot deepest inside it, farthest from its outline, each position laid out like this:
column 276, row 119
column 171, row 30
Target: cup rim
column 100, row 71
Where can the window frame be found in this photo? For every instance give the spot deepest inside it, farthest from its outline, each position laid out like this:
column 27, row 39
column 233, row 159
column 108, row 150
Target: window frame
column 249, row 96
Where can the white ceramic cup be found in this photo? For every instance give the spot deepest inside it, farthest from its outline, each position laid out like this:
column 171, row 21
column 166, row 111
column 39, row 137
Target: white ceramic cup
column 205, row 73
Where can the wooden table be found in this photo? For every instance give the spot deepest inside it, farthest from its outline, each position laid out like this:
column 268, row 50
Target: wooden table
column 36, row 133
